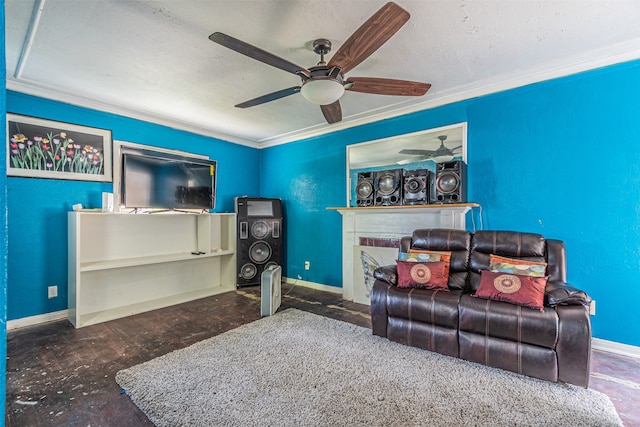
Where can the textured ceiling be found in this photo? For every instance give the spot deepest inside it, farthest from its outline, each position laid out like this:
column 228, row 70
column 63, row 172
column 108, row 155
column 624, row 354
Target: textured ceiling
column 152, row 59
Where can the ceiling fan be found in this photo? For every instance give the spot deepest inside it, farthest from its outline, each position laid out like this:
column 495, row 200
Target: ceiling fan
column 325, row 83
column 441, row 151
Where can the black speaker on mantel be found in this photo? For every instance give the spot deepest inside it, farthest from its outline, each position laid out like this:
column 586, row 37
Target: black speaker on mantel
column 416, row 186
column 259, row 241
column 387, row 186
column 364, row 189
column 451, row 186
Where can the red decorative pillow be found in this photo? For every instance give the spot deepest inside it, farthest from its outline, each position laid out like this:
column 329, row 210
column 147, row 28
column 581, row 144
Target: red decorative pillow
column 425, row 275
column 444, row 256
column 521, row 290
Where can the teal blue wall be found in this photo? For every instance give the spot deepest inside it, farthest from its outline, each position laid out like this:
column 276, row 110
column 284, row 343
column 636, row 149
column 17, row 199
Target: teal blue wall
column 37, row 208
column 3, row 226
column 560, row 158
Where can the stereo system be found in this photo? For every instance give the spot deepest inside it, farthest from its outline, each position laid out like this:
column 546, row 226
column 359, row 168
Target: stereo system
column 259, row 238
column 396, row 187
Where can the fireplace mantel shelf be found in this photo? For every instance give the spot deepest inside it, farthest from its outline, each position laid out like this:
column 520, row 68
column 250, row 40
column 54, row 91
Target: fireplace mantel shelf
column 406, row 207
column 388, row 222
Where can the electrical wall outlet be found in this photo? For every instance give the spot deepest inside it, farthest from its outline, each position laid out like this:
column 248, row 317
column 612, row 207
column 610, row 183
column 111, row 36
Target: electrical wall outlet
column 52, row 291
column 592, row 307
column 307, row 265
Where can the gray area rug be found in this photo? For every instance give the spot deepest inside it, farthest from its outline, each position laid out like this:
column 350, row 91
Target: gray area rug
column 300, row 369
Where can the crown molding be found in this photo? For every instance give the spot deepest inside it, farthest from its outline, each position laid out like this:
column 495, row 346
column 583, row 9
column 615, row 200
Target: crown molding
column 611, row 55
column 35, row 89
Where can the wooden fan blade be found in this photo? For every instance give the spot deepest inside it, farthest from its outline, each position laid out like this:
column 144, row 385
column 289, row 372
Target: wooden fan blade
column 257, row 53
column 369, row 37
column 387, row 86
column 332, row 112
column 269, row 97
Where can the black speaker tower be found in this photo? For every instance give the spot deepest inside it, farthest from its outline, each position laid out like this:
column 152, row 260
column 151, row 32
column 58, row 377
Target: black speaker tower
column 259, row 240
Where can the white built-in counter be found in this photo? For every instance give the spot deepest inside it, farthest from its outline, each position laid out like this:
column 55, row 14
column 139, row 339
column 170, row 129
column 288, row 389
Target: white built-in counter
column 370, row 236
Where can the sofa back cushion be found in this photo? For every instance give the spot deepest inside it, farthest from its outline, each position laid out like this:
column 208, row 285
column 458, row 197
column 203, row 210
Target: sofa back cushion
column 510, row 244
column 556, row 261
column 458, row 242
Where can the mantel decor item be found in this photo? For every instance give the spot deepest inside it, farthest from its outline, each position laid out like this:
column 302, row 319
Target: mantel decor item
column 39, row 148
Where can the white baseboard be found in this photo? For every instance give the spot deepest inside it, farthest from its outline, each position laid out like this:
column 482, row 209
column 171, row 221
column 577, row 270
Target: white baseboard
column 313, row 285
column 36, row 320
column 615, row 347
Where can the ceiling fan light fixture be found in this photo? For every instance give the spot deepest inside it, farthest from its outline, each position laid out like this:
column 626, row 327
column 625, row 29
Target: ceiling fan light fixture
column 322, row 90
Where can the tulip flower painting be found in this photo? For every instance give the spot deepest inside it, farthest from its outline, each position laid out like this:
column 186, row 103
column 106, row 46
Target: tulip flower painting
column 52, row 151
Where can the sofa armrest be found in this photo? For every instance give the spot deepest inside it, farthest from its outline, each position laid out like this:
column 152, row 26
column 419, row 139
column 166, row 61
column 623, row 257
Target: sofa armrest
column 387, row 274
column 379, row 313
column 560, row 293
column 573, row 348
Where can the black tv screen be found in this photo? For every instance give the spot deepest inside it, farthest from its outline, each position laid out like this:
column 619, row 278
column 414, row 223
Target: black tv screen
column 167, row 182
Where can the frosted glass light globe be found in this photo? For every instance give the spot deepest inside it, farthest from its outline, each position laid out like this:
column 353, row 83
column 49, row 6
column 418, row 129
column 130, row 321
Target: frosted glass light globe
column 322, row 91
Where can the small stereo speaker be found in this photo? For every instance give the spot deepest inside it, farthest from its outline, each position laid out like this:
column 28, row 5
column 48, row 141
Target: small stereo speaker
column 450, row 182
column 270, row 287
column 387, row 187
column 364, row 189
column 416, row 186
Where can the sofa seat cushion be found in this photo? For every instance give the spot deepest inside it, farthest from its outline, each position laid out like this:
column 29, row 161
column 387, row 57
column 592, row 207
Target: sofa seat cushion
column 440, row 339
column 508, row 321
column 525, row 359
column 428, row 306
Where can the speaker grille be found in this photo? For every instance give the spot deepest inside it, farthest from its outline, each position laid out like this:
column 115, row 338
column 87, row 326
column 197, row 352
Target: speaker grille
column 448, row 182
column 260, row 252
column 248, row 271
column 259, row 229
column 364, row 189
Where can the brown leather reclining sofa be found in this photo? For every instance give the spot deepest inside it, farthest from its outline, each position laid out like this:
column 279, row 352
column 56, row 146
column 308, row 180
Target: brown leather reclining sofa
column 553, row 345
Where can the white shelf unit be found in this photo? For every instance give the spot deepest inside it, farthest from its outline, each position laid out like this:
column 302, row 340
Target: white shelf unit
column 124, row 264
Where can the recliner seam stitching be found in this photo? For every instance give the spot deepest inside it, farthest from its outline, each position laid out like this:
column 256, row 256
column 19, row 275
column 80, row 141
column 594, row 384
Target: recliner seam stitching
column 409, row 317
column 433, row 321
column 486, row 332
column 519, row 339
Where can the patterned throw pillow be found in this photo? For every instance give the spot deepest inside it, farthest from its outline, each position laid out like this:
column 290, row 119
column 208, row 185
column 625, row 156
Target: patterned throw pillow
column 419, row 257
column 519, row 267
column 425, row 275
column 444, row 257
column 521, row 290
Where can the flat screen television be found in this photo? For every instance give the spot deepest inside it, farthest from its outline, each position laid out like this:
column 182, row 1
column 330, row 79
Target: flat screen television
column 165, row 181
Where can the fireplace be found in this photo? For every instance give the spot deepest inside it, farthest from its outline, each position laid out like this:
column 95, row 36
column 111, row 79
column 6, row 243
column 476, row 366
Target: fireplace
column 368, row 236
